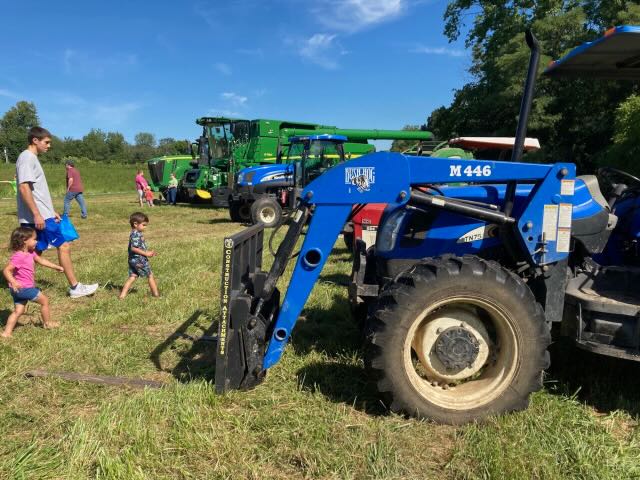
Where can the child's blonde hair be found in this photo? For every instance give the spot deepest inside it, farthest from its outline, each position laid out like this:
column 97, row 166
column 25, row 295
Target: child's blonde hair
column 19, row 237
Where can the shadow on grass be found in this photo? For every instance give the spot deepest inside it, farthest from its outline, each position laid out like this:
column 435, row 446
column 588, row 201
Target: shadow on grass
column 340, row 279
column 197, row 358
column 342, row 383
column 215, row 221
column 605, row 383
column 4, row 315
column 342, row 378
column 332, row 332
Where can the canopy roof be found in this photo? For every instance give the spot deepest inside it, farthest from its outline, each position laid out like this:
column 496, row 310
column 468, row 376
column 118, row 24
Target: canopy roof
column 616, row 55
column 493, row 142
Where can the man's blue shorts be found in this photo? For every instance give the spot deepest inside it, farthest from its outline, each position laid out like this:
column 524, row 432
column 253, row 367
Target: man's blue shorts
column 50, row 235
column 24, row 295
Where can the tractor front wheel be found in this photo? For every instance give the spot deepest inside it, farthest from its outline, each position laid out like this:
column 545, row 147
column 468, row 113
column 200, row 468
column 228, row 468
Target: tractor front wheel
column 456, row 339
column 268, row 211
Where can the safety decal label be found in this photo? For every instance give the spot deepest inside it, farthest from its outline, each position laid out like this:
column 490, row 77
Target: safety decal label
column 567, row 187
column 550, row 222
column 564, row 215
column 361, row 177
column 564, row 240
column 369, row 235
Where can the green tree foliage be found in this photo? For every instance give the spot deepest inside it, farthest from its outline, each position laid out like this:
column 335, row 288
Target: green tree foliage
column 573, row 118
column 402, row 145
column 14, row 126
column 625, row 150
column 96, row 145
column 171, row 146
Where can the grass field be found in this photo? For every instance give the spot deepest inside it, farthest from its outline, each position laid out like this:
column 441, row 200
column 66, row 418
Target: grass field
column 97, row 178
column 315, row 416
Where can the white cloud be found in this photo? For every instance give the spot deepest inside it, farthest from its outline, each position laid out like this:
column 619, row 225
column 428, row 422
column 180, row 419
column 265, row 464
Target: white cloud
column 253, row 52
column 222, row 112
column 451, row 52
column 115, row 114
column 353, row 15
column 9, row 94
column 96, row 66
column 321, row 49
column 223, row 68
column 68, row 107
column 234, row 98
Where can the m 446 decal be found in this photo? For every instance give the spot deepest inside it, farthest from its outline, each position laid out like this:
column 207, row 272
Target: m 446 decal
column 469, row 171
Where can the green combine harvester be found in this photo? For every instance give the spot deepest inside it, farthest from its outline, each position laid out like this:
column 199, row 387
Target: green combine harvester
column 228, row 145
column 161, row 168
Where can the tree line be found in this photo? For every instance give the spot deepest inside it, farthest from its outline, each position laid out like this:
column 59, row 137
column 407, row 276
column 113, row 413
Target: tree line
column 96, row 145
column 581, row 120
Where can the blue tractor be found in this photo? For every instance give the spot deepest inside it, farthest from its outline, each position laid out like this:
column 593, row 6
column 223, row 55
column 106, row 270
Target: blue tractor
column 274, row 189
column 474, row 262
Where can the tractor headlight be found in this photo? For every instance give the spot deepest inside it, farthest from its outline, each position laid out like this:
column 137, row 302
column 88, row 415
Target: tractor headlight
column 390, row 229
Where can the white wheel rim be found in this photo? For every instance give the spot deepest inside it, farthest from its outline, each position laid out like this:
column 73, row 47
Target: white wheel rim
column 267, row 214
column 488, row 376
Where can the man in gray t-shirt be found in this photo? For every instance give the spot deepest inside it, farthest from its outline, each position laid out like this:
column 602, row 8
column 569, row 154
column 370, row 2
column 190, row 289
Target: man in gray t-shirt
column 29, row 170
column 35, row 208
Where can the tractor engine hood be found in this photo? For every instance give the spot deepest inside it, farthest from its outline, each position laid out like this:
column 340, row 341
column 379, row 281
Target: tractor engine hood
column 264, row 174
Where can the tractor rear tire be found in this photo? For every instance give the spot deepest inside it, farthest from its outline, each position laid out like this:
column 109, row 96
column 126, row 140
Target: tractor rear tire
column 240, row 212
column 268, row 211
column 455, row 340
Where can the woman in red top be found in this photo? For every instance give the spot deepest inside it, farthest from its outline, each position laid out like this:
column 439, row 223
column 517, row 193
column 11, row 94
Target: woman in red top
column 141, row 186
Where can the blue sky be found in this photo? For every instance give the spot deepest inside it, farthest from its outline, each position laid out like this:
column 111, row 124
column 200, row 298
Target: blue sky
column 156, row 66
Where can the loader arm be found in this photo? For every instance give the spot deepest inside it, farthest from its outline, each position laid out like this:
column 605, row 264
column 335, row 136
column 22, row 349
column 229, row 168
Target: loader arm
column 388, row 178
column 381, row 178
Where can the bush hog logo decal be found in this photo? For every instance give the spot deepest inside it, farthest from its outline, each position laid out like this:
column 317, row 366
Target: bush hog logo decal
column 361, row 177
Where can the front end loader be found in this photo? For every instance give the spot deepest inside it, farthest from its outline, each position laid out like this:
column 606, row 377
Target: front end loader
column 474, row 261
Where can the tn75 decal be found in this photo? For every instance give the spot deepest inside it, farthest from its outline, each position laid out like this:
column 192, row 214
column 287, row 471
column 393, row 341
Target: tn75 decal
column 469, row 171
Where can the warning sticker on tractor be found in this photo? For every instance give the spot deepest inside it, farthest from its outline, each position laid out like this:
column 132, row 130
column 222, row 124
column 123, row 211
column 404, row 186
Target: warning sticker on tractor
column 369, row 234
column 550, row 222
column 564, row 215
column 564, row 240
column 567, row 187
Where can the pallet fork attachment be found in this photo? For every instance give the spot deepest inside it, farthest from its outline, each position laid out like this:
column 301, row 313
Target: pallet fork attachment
column 249, row 303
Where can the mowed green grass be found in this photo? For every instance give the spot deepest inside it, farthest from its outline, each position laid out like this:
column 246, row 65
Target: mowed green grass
column 315, row 416
column 97, row 178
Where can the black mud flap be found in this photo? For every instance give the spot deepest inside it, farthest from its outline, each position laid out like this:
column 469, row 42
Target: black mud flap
column 242, row 336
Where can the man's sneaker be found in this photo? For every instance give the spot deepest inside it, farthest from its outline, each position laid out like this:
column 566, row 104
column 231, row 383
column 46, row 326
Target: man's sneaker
column 83, row 290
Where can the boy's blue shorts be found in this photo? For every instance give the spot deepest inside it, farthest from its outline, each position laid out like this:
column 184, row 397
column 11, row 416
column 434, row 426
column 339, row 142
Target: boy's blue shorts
column 24, row 295
column 50, row 235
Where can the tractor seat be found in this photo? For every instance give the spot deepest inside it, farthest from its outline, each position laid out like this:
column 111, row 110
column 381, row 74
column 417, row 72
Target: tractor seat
column 591, row 181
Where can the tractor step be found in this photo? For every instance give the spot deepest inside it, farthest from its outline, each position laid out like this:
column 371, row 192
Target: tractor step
column 602, row 311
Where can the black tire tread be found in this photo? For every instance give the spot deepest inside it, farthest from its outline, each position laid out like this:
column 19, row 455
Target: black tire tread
column 397, row 299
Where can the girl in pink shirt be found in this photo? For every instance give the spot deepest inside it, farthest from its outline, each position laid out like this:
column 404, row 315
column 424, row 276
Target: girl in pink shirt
column 20, row 275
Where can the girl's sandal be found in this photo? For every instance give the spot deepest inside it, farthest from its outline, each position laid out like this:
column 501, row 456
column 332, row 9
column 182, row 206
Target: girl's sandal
column 51, row 325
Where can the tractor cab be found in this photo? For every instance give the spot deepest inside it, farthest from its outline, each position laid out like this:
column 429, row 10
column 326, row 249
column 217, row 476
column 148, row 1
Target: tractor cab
column 312, row 155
